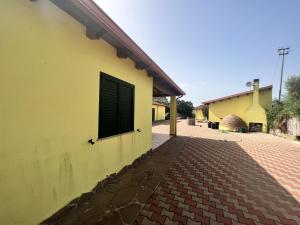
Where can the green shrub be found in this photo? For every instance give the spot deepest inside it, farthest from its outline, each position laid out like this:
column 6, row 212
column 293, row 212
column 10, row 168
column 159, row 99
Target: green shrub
column 292, row 107
column 292, row 86
column 185, row 108
column 275, row 114
column 278, row 115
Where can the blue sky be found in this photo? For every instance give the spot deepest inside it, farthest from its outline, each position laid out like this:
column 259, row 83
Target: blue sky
column 211, row 48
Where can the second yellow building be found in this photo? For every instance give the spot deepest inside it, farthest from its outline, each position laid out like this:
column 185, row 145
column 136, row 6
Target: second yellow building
column 158, row 111
column 249, row 106
column 199, row 113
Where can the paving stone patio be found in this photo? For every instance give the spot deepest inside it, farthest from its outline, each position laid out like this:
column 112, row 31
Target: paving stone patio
column 227, row 178
column 202, row 176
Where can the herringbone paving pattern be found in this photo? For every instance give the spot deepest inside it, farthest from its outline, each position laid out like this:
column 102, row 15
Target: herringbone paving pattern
column 228, row 179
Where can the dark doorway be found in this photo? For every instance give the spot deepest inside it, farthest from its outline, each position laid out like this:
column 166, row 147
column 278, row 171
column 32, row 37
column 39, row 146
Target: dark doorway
column 255, row 127
column 153, row 114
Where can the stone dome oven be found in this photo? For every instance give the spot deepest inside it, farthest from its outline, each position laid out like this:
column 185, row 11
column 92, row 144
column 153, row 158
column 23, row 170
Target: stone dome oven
column 232, row 122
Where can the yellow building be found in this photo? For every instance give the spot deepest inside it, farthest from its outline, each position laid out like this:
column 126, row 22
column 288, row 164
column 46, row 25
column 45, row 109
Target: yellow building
column 158, row 111
column 199, row 113
column 250, row 106
column 74, row 90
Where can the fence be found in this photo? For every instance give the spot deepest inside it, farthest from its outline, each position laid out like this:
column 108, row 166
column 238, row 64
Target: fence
column 293, row 127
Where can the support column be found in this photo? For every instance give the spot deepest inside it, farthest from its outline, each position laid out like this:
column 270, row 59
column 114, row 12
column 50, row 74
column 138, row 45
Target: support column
column 173, row 116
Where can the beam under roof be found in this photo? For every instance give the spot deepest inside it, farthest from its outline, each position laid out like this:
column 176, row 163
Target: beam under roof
column 99, row 25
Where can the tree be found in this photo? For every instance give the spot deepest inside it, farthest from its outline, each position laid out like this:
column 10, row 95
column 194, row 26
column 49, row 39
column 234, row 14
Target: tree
column 275, row 114
column 292, row 101
column 163, row 100
column 292, row 85
column 292, row 107
column 185, row 108
column 278, row 115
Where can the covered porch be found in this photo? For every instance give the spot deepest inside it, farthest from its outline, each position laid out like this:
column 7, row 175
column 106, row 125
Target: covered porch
column 164, row 130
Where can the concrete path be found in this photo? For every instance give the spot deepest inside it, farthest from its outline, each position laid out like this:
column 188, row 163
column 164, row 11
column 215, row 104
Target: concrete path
column 227, row 178
column 160, row 133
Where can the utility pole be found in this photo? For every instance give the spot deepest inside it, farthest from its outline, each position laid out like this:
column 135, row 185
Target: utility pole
column 283, row 52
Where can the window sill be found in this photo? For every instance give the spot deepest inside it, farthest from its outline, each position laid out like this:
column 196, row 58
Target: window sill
column 116, row 135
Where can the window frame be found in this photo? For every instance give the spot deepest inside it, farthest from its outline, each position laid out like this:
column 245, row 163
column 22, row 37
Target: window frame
column 101, row 106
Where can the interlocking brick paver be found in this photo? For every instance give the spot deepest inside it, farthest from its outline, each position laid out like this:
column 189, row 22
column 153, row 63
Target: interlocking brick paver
column 181, row 219
column 167, row 213
column 161, row 198
column 146, row 221
column 158, row 218
column 146, row 213
column 170, row 222
column 224, row 220
column 183, row 206
column 164, row 205
column 188, row 214
column 210, row 215
column 228, row 178
column 192, row 222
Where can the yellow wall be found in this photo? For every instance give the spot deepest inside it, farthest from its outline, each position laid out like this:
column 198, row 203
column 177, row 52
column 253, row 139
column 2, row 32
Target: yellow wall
column 160, row 112
column 49, row 96
column 239, row 107
column 199, row 114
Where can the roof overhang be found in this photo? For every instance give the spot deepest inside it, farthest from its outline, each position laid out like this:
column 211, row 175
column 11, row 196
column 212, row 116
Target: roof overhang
column 100, row 26
column 200, row 107
column 158, row 103
column 236, row 95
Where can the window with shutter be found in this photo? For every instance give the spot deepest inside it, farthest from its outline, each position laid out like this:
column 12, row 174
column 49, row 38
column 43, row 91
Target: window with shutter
column 116, row 106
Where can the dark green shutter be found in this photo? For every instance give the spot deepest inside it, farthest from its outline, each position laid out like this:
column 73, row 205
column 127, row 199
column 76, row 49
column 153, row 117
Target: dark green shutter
column 116, row 106
column 108, row 107
column 126, row 108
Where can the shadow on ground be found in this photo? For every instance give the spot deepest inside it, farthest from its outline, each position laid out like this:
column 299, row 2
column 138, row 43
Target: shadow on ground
column 119, row 198
column 186, row 180
column 218, row 182
column 164, row 122
column 159, row 138
column 160, row 122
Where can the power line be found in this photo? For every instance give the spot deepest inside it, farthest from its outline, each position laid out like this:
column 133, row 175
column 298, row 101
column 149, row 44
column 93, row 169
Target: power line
column 283, row 52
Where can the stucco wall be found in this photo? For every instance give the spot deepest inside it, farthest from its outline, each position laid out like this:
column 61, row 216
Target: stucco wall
column 160, row 112
column 49, row 94
column 199, row 114
column 239, row 106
